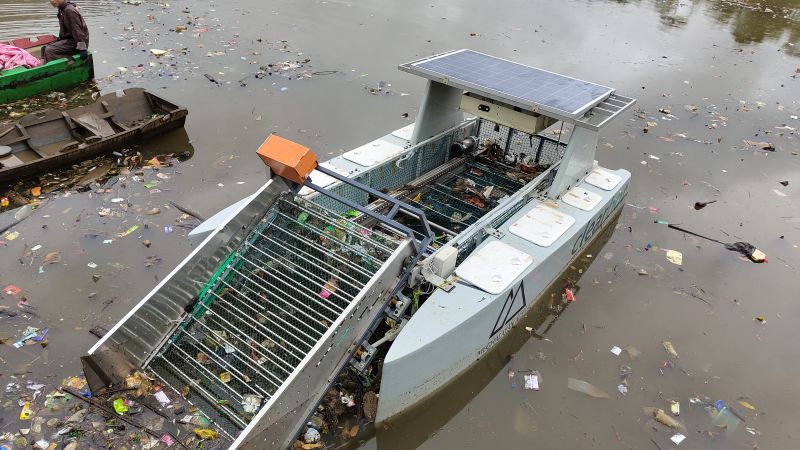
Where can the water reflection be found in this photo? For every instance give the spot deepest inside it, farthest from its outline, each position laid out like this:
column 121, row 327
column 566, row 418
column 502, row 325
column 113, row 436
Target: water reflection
column 750, row 21
column 23, row 18
column 675, row 13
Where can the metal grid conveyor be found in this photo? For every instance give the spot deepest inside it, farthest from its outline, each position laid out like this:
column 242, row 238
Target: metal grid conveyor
column 446, row 203
column 267, row 307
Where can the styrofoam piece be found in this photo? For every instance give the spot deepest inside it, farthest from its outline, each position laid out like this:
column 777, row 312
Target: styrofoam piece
column 581, row 198
column 603, row 178
column 494, row 267
column 322, row 180
column 404, row 133
column 374, row 153
column 542, row 225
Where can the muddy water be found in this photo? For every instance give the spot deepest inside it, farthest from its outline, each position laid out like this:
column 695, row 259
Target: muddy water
column 725, row 71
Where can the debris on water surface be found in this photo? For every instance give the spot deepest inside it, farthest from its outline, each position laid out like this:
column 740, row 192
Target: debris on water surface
column 11, row 290
column 670, row 349
column 724, row 418
column 586, row 388
column 663, row 418
column 761, row 145
column 532, row 381
column 745, row 248
column 700, row 205
column 677, row 438
column 675, row 257
column 52, row 258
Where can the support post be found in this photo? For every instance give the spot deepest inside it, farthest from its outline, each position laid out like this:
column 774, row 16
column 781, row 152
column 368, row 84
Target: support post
column 577, row 162
column 440, row 110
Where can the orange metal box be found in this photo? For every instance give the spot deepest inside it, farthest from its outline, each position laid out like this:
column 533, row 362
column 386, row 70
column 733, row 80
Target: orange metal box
column 287, row 159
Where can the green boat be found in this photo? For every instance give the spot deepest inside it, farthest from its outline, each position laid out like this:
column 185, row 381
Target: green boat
column 58, row 75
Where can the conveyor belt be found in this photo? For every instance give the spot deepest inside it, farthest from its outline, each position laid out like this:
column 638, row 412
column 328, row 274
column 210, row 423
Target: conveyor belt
column 455, row 201
column 268, row 306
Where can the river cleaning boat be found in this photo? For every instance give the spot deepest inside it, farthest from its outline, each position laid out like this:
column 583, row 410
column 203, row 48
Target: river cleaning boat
column 51, row 138
column 57, row 75
column 399, row 263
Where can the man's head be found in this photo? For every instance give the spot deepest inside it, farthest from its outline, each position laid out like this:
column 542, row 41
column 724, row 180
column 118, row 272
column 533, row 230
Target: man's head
column 57, row 3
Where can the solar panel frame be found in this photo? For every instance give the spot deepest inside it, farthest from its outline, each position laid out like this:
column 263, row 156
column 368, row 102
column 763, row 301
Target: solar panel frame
column 517, row 84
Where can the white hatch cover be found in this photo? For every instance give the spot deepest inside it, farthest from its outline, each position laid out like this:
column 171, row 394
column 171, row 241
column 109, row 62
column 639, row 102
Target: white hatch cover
column 581, row 198
column 542, row 225
column 322, row 180
column 603, row 178
column 494, row 267
column 374, row 153
column 404, row 133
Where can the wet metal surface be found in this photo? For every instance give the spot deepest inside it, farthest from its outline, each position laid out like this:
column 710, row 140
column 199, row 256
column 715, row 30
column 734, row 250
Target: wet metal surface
column 722, row 72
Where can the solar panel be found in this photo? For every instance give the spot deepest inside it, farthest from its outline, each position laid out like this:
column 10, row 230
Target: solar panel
column 520, row 84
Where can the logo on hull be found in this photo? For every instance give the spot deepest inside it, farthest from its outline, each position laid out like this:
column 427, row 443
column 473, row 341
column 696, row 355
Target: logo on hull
column 515, row 302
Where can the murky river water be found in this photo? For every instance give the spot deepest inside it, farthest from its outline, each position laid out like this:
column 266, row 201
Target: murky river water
column 726, row 72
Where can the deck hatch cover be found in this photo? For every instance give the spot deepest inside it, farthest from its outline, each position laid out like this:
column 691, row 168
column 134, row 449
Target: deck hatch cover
column 494, row 267
column 581, row 198
column 374, row 153
column 603, row 179
column 322, row 180
column 526, row 86
column 404, row 133
column 542, row 225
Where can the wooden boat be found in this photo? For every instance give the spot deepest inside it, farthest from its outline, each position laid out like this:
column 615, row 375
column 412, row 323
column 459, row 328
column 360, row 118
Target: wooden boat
column 50, row 138
column 60, row 74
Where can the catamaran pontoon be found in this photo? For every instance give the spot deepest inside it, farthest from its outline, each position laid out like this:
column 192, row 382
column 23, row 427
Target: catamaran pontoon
column 433, row 241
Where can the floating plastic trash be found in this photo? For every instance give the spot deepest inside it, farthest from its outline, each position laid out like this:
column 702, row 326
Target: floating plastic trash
column 586, row 388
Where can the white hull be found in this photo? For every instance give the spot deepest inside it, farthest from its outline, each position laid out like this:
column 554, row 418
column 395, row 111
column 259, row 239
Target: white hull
column 451, row 331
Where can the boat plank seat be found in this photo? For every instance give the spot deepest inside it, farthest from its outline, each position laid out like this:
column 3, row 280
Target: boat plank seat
column 15, row 140
column 22, row 135
column 11, row 161
column 113, row 119
column 132, row 109
column 51, row 136
column 95, row 123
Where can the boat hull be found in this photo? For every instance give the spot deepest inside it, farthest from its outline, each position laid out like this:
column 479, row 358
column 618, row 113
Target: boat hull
column 61, row 127
column 61, row 74
column 452, row 331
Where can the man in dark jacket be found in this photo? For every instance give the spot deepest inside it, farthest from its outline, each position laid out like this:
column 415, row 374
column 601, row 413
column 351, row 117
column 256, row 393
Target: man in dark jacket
column 73, row 36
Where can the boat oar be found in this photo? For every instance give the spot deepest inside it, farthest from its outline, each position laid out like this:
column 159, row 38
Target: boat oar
column 745, row 248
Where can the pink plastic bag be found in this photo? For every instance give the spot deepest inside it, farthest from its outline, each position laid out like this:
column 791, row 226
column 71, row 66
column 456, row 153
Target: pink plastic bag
column 11, row 57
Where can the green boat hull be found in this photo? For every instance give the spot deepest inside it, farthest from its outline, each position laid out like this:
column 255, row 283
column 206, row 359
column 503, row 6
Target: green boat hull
column 58, row 75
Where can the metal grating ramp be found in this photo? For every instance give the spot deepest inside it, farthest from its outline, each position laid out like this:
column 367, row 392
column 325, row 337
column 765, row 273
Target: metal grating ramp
column 268, row 306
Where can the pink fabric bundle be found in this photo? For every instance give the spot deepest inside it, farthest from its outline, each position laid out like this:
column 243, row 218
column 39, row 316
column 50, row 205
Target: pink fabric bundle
column 11, row 57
